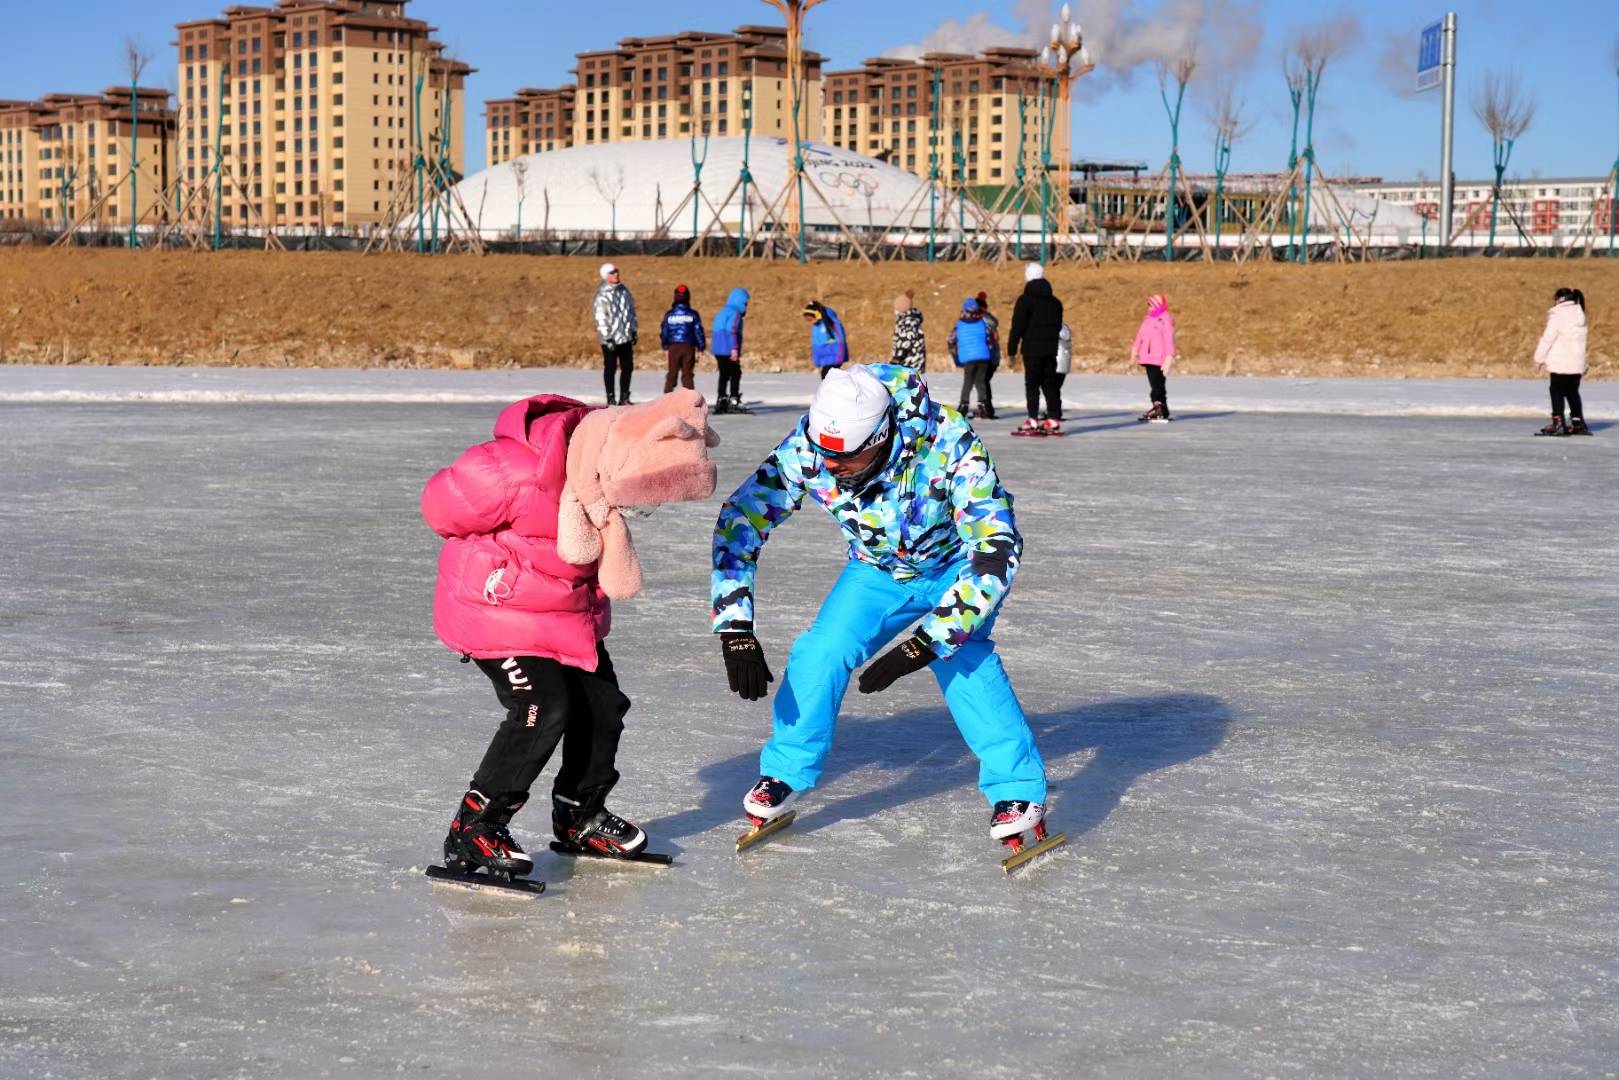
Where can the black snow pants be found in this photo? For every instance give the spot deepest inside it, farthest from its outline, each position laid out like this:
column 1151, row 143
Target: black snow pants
column 1155, row 384
column 974, row 377
column 548, row 702
column 1040, row 378
column 730, row 376
column 621, row 357
column 1566, row 388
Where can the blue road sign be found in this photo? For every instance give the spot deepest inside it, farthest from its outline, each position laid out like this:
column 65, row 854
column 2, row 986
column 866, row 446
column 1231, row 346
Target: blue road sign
column 1431, row 56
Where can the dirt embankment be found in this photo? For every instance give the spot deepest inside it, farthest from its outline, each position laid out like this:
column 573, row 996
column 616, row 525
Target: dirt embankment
column 1469, row 317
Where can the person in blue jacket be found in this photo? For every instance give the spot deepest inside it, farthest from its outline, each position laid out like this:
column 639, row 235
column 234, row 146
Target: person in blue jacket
column 682, row 339
column 829, row 345
column 728, row 350
column 970, row 349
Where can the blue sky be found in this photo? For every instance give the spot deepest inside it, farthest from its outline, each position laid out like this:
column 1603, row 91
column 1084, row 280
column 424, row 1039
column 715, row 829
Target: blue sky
column 1564, row 53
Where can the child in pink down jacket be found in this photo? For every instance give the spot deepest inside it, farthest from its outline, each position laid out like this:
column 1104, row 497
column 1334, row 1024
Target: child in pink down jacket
column 1154, row 350
column 535, row 545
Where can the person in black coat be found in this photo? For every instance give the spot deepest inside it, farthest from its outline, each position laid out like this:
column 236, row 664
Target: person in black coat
column 1037, row 330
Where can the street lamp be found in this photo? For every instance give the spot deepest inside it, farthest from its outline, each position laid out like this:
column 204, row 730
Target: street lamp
column 1064, row 59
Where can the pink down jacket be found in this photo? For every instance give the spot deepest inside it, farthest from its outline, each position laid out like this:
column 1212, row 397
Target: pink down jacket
column 502, row 589
column 1155, row 341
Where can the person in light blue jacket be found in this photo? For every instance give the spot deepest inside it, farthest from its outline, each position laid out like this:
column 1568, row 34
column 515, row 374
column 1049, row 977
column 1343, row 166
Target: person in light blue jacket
column 970, row 348
column 727, row 345
column 829, row 345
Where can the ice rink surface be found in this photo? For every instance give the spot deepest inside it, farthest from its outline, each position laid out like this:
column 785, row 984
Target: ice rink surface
column 1327, row 702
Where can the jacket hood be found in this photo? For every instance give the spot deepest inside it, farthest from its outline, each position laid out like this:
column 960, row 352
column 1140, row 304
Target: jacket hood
column 516, row 421
column 1567, row 311
column 1037, row 287
column 738, row 299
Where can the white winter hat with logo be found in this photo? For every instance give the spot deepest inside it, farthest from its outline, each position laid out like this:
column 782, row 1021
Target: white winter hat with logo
column 849, row 411
column 608, row 268
column 1033, row 272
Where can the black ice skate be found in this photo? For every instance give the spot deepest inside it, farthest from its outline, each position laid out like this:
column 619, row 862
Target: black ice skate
column 767, row 807
column 1555, row 428
column 600, row 834
column 1148, row 416
column 1577, row 426
column 722, row 406
column 479, row 851
column 1013, row 822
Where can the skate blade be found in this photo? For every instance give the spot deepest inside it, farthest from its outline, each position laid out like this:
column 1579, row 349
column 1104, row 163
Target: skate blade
column 748, row 839
column 648, row 858
column 440, row 875
column 1012, row 862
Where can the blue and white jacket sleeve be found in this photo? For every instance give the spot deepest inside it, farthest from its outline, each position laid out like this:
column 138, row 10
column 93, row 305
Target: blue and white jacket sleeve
column 763, row 501
column 982, row 510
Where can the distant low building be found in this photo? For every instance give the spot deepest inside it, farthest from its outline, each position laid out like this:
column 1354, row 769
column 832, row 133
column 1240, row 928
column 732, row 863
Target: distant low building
column 1549, row 211
column 64, row 155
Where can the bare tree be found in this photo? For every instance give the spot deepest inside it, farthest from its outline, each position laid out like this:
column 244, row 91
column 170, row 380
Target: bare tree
column 137, row 58
column 1303, row 64
column 1180, row 71
column 610, row 188
column 1225, row 113
column 519, row 167
column 1505, row 110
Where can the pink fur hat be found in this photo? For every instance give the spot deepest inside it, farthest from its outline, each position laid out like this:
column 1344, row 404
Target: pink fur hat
column 631, row 455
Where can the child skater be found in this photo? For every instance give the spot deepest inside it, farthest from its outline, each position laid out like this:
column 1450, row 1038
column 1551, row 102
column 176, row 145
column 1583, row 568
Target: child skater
column 1562, row 353
column 682, row 338
column 535, row 544
column 1154, row 350
column 910, row 344
column 970, row 349
column 727, row 343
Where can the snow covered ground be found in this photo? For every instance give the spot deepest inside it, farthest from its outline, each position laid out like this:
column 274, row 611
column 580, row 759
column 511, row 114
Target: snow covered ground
column 1327, row 702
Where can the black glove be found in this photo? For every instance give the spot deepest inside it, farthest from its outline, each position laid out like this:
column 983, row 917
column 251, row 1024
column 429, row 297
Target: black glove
column 912, row 654
column 745, row 666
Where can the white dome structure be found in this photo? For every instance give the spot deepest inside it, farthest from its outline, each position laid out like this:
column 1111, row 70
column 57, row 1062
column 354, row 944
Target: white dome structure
column 572, row 191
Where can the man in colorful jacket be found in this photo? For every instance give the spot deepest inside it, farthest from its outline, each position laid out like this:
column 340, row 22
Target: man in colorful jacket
column 933, row 547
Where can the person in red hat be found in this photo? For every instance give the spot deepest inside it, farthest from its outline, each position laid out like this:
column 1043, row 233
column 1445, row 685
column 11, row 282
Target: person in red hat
column 682, row 339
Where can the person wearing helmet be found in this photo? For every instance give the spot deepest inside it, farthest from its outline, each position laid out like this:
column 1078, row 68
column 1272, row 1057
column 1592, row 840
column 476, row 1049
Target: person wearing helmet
column 681, row 336
column 933, row 548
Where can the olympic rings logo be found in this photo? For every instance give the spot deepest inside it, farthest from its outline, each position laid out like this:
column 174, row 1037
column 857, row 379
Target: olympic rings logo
column 846, row 181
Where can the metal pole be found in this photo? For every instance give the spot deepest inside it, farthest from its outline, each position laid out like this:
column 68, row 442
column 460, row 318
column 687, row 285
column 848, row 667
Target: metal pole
column 219, row 159
column 134, row 172
column 1309, row 168
column 1022, row 196
column 421, row 167
column 1447, row 134
column 933, row 164
column 747, row 142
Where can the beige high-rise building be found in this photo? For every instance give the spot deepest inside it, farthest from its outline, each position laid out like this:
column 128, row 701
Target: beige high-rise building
column 313, row 108
column 884, row 109
column 661, row 88
column 61, row 154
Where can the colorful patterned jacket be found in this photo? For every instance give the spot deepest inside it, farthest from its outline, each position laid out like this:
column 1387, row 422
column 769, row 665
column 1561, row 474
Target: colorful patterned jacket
column 938, row 503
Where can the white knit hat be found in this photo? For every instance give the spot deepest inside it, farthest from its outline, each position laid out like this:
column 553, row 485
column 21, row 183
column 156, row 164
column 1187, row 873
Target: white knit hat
column 607, row 268
column 1033, row 272
column 849, row 410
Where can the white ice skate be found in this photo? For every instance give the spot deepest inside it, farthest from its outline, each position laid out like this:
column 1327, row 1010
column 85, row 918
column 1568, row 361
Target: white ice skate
column 1015, row 822
column 768, row 806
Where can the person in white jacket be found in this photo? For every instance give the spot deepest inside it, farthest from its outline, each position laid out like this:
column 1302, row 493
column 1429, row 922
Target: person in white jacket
column 1562, row 353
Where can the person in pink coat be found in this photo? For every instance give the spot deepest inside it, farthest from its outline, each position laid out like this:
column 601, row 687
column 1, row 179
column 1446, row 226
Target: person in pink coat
column 1561, row 352
column 1154, row 350
column 535, row 549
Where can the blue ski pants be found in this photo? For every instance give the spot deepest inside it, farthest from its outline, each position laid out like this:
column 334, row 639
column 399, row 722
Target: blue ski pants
column 863, row 613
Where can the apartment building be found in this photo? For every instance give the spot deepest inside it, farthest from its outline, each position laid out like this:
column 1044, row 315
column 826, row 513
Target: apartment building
column 313, row 111
column 1551, row 211
column 61, row 154
column 885, row 109
column 666, row 87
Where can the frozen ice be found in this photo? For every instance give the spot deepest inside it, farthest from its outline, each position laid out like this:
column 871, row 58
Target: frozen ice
column 1326, row 700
